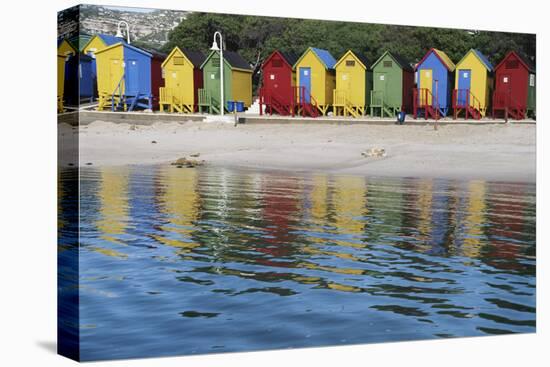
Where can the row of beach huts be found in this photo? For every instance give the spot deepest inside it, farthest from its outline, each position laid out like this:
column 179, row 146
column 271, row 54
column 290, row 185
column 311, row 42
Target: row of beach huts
column 121, row 76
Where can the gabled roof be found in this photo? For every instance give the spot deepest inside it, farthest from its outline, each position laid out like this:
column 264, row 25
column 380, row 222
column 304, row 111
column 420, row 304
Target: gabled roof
column 60, row 42
column 234, row 60
column 442, row 56
column 106, row 38
column 399, row 60
column 156, row 54
column 80, row 41
column 124, row 44
column 484, row 60
column 522, row 58
column 323, row 55
column 289, row 57
column 194, row 57
column 357, row 55
column 110, row 40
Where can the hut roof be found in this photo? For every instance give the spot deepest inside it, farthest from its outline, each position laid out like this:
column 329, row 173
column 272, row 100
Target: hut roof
column 233, row 58
column 156, row 54
column 400, row 60
column 236, row 60
column 323, row 55
column 484, row 60
column 124, row 44
column 359, row 56
column 290, row 57
column 110, row 40
column 522, row 58
column 80, row 41
column 442, row 56
column 196, row 57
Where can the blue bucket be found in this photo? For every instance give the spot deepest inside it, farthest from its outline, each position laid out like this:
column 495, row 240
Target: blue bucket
column 240, row 106
column 230, row 106
column 401, row 117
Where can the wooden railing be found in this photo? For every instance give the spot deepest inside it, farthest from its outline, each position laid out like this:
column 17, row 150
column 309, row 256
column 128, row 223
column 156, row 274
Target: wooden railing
column 339, row 97
column 166, row 95
column 463, row 98
column 504, row 99
column 269, row 97
column 300, row 97
column 205, row 99
column 377, row 98
column 424, row 99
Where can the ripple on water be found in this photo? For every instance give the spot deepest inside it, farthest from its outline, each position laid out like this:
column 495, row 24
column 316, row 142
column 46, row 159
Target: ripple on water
column 183, row 261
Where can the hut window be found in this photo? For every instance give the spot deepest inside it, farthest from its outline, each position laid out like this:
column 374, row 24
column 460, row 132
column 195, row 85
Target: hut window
column 277, row 63
column 178, row 60
column 387, row 64
column 512, row 64
column 531, row 80
column 350, row 62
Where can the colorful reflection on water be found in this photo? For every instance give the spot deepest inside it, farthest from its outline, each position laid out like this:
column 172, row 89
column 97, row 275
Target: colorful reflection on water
column 183, row 261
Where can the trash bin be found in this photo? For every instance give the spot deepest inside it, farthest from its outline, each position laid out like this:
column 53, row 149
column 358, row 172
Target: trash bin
column 240, row 106
column 401, row 117
column 230, row 106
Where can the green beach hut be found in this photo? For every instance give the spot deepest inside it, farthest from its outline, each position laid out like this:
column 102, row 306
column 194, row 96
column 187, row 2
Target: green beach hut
column 237, row 81
column 392, row 84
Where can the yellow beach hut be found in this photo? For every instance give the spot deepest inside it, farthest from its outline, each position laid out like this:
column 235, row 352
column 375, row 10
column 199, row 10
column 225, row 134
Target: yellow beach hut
column 316, row 78
column 65, row 48
column 472, row 85
column 183, row 78
column 65, row 52
column 353, row 85
column 60, row 81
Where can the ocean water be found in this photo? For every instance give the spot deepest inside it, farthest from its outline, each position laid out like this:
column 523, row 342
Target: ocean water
column 188, row 261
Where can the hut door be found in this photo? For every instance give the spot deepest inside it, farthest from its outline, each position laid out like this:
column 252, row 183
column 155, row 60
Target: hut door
column 464, row 84
column 177, row 78
column 506, row 83
column 305, row 81
column 380, row 92
column 115, row 74
column 132, row 77
column 426, row 82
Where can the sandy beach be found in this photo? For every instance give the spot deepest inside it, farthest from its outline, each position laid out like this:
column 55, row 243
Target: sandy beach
column 492, row 152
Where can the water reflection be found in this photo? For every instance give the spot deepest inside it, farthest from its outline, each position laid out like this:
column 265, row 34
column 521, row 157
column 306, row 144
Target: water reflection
column 232, row 260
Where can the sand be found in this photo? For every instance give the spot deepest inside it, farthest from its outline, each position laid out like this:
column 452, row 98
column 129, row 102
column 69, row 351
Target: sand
column 491, row 152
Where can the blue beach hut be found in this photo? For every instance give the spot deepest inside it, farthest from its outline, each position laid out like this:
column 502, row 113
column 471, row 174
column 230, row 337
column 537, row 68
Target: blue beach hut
column 432, row 97
column 124, row 77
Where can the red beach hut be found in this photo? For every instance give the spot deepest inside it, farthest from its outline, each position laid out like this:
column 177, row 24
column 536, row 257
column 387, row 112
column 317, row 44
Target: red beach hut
column 156, row 75
column 277, row 83
column 514, row 87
